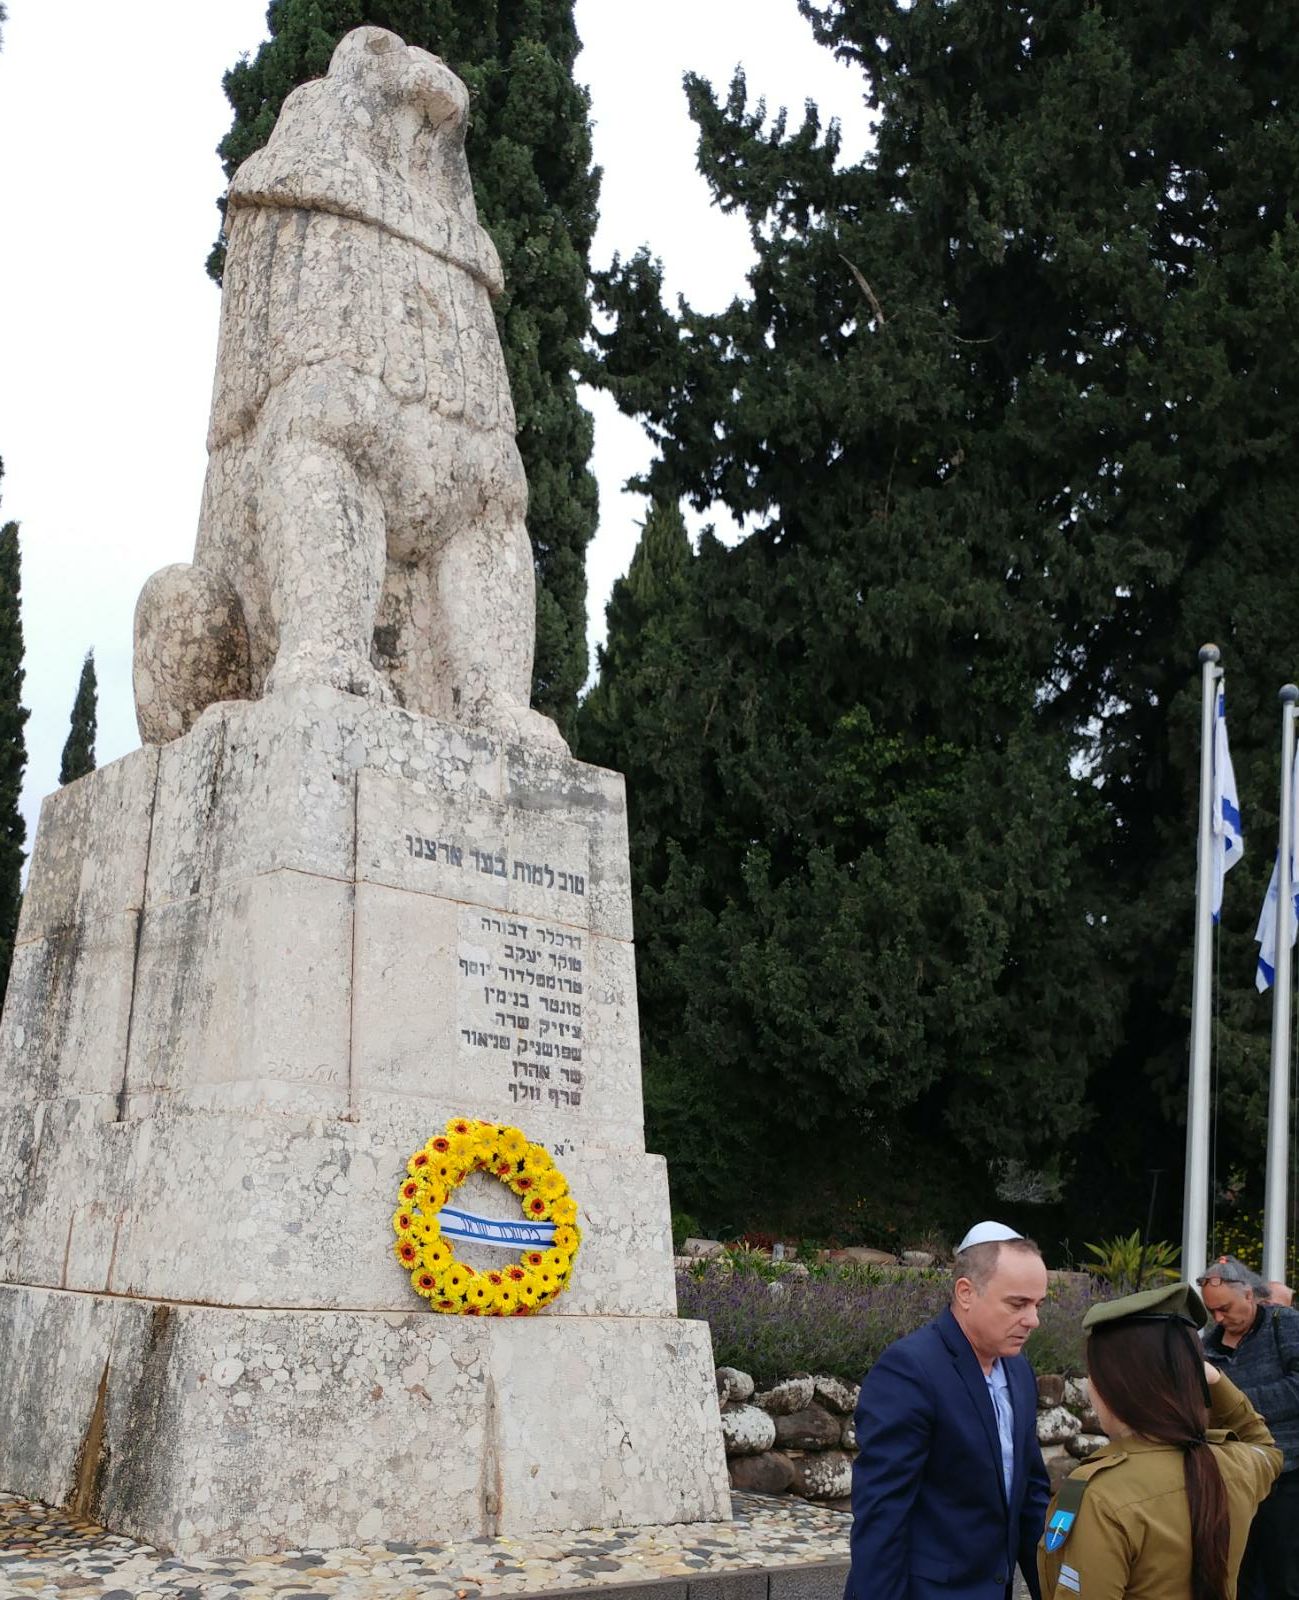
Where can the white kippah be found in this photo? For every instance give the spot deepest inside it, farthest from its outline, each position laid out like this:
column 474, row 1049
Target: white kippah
column 987, row 1233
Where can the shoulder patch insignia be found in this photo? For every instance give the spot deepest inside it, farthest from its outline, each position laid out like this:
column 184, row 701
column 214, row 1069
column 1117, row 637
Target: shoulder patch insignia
column 1057, row 1529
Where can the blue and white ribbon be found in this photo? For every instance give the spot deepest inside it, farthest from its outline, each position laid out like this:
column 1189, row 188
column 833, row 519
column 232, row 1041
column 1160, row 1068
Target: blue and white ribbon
column 469, row 1227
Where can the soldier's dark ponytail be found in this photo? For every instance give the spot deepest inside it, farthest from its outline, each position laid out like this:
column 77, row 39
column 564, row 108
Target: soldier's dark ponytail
column 1151, row 1376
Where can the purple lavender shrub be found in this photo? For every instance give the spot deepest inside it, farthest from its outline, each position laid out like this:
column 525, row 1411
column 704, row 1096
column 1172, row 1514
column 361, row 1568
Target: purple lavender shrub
column 839, row 1323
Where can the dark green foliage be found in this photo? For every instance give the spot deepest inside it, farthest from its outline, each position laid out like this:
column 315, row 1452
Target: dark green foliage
column 13, row 748
column 1012, row 411
column 79, row 749
column 530, row 154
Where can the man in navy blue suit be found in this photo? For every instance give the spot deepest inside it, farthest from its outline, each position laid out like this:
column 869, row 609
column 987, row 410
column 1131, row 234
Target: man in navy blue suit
column 949, row 1491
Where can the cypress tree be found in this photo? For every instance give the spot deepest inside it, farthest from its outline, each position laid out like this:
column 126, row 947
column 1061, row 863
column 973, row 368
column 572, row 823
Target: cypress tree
column 79, row 749
column 1010, row 405
column 530, row 154
column 13, row 748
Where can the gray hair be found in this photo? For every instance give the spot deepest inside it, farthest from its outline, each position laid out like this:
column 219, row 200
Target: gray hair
column 1233, row 1272
column 979, row 1261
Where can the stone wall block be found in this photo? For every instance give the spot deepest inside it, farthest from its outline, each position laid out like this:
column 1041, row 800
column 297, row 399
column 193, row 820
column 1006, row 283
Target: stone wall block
column 1056, row 1425
column 250, row 985
column 747, row 1431
column 772, row 1472
column 733, row 1385
column 835, row 1395
column 824, row 1475
column 296, row 1212
column 92, row 846
column 67, row 1011
column 1059, row 1464
column 532, row 1023
column 790, row 1395
column 848, row 1434
column 813, row 1428
column 1083, row 1445
column 1050, row 1390
column 194, row 1406
column 75, row 1182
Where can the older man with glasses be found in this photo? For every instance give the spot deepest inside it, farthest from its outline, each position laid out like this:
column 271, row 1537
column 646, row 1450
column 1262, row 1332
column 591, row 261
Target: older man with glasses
column 1257, row 1343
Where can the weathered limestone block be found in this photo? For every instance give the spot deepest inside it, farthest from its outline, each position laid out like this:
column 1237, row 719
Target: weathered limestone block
column 824, row 1475
column 770, row 1473
column 836, row 1395
column 1083, row 1445
column 362, row 523
column 848, row 1434
column 1078, row 1394
column 732, row 1384
column 168, row 1422
column 812, row 1428
column 703, row 1249
column 1056, row 1425
column 747, row 1431
column 786, row 1397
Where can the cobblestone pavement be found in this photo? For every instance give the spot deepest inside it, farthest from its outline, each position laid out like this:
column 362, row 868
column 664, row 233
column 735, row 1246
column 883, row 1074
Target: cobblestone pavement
column 45, row 1555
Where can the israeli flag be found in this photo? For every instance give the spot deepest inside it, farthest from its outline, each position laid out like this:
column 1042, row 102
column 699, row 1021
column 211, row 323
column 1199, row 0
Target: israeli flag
column 1265, row 933
column 1228, row 840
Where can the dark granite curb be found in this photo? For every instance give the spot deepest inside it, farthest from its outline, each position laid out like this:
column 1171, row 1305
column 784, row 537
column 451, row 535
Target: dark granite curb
column 809, row 1580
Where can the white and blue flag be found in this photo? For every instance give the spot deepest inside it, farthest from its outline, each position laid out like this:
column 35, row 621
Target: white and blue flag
column 1265, row 933
column 1228, row 840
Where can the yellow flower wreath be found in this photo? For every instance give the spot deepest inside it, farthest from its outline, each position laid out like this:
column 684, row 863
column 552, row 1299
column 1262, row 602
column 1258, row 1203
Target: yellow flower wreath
column 541, row 1272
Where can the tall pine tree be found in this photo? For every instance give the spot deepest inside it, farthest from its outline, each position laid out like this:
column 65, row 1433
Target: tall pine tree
column 1011, row 404
column 13, row 747
column 536, row 189
column 79, row 748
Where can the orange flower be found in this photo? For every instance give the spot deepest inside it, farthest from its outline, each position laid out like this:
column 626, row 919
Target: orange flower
column 535, row 1258
column 441, row 1144
column 407, row 1252
column 409, row 1189
column 460, row 1127
column 516, row 1273
column 537, row 1206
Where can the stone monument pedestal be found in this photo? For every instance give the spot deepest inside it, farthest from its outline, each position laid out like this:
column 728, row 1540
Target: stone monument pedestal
column 257, row 968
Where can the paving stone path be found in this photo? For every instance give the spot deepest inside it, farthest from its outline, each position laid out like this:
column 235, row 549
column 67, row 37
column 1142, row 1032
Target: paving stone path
column 46, row 1555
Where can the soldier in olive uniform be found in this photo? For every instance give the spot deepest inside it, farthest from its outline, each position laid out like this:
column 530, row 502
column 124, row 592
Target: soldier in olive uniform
column 1164, row 1509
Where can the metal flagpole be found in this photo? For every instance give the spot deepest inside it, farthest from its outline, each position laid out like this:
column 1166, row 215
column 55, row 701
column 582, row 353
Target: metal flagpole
column 1278, row 1109
column 1195, row 1203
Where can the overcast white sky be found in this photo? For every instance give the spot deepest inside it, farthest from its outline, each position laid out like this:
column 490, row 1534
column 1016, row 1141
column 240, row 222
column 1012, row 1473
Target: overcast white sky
column 109, row 118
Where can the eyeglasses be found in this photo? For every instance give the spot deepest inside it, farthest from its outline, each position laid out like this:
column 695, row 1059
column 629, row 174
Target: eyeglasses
column 1215, row 1280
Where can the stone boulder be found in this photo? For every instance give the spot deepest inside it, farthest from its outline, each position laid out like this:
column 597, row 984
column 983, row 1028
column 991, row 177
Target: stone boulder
column 793, row 1394
column 861, row 1255
column 848, row 1434
column 1056, row 1425
column 836, row 1395
column 1059, row 1464
column 769, row 1473
column 746, row 1431
column 1083, row 1445
column 1050, row 1390
column 703, row 1249
column 824, row 1475
column 813, row 1428
column 1078, row 1394
column 1089, row 1422
column 733, row 1386
column 917, row 1258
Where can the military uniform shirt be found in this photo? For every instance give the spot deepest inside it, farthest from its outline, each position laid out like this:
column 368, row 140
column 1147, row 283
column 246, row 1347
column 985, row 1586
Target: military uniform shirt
column 1132, row 1535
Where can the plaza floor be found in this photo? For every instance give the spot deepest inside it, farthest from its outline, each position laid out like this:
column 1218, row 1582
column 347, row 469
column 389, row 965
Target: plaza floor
column 45, row 1555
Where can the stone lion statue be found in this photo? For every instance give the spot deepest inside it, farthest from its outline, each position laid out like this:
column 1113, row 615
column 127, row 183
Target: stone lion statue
column 362, row 522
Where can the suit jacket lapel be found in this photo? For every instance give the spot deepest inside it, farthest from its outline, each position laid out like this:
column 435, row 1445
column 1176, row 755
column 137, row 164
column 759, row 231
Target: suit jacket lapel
column 967, row 1364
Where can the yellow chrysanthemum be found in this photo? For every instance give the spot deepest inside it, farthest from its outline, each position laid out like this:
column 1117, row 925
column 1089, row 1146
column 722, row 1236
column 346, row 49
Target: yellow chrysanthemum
column 436, row 1257
column 564, row 1210
column 403, row 1220
column 511, row 1144
column 552, row 1184
column 506, row 1299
